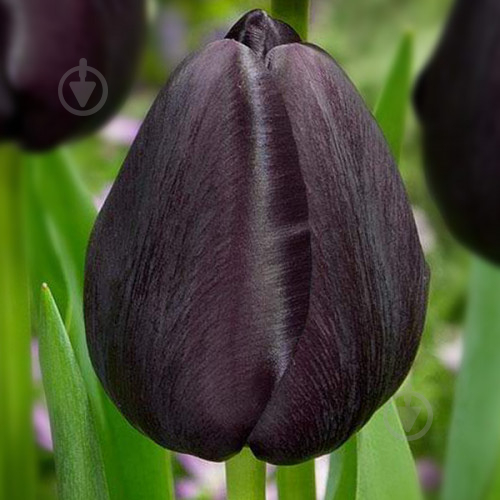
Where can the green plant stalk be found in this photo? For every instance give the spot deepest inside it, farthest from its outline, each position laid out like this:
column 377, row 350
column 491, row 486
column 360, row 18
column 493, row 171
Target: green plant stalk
column 297, row 482
column 245, row 477
column 17, row 451
column 293, row 12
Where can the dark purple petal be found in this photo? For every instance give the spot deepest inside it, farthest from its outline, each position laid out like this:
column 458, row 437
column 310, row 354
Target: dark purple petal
column 458, row 100
column 47, row 38
column 369, row 278
column 6, row 100
column 198, row 270
column 262, row 33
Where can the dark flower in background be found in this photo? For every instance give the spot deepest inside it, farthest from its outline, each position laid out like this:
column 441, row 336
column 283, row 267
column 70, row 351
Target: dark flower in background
column 458, row 101
column 40, row 40
column 255, row 275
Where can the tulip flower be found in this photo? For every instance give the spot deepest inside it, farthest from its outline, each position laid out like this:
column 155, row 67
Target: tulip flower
column 255, row 276
column 458, row 101
column 40, row 41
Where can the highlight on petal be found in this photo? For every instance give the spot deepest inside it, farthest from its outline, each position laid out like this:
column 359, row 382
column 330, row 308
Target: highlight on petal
column 369, row 278
column 458, row 102
column 198, row 270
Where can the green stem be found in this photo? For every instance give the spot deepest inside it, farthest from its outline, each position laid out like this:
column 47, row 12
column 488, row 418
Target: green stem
column 297, row 482
column 245, row 477
column 293, row 12
column 17, row 451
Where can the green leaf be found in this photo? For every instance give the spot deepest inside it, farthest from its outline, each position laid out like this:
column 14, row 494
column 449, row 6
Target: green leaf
column 17, row 450
column 79, row 466
column 393, row 103
column 297, row 482
column 343, row 471
column 386, row 469
column 136, row 468
column 474, row 439
column 377, row 464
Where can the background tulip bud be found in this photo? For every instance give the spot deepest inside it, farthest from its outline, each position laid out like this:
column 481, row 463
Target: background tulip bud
column 40, row 40
column 255, row 276
column 458, row 101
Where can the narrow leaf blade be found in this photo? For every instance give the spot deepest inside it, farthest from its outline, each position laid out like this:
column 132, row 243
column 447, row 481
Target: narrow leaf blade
column 393, row 103
column 79, row 466
column 386, row 468
column 342, row 475
column 474, row 440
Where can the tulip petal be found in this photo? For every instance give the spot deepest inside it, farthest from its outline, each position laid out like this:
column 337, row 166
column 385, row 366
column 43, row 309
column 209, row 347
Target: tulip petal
column 458, row 101
column 6, row 104
column 262, row 33
column 198, row 270
column 369, row 278
column 47, row 39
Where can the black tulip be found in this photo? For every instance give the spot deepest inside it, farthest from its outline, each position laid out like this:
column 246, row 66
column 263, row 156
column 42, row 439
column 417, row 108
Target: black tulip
column 255, row 276
column 458, row 101
column 40, row 40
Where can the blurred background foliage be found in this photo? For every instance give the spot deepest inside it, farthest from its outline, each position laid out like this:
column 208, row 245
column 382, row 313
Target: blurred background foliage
column 363, row 36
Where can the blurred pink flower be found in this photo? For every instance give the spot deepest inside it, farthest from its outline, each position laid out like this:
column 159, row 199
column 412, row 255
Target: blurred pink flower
column 204, row 478
column 101, row 197
column 36, row 373
column 121, row 130
column 429, row 474
column 41, row 424
column 451, row 353
column 40, row 415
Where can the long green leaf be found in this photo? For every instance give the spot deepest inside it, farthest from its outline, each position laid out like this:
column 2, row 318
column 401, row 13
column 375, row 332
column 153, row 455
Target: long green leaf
column 17, row 451
column 377, row 463
column 393, row 103
column 474, row 440
column 79, row 466
column 386, row 469
column 343, row 471
column 136, row 468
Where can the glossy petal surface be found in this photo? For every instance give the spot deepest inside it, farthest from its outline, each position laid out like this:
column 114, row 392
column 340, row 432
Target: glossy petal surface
column 369, row 278
column 458, row 100
column 47, row 38
column 198, row 274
